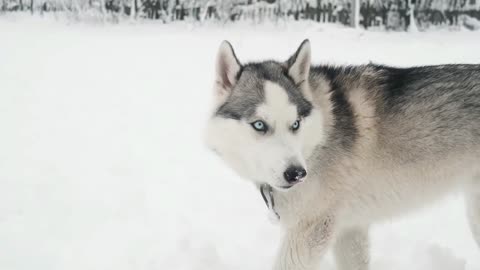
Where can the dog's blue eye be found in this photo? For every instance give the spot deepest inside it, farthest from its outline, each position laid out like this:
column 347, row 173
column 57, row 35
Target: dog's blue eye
column 259, row 126
column 296, row 125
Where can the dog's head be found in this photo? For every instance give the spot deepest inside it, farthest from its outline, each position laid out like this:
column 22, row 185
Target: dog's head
column 265, row 125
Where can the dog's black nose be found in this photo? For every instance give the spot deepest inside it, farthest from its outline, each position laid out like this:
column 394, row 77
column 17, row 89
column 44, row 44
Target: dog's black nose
column 294, row 174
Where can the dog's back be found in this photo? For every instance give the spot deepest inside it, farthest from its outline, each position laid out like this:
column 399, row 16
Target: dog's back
column 405, row 136
column 430, row 111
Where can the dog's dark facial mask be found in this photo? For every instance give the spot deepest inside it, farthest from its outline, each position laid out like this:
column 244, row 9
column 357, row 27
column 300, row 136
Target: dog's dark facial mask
column 249, row 91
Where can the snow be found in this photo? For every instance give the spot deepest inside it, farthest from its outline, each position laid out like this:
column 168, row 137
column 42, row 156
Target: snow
column 102, row 162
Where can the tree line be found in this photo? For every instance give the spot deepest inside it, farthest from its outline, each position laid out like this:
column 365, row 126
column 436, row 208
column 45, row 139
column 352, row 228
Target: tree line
column 389, row 14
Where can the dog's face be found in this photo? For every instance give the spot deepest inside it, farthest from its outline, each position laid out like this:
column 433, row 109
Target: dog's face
column 263, row 121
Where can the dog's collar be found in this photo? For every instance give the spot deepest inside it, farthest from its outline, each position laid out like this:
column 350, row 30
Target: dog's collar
column 265, row 191
column 267, row 194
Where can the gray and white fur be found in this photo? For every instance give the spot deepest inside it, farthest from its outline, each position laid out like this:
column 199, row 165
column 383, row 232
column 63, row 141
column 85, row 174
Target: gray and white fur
column 347, row 147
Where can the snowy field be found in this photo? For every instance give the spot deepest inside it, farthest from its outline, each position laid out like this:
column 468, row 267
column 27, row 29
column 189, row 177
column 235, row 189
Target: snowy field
column 102, row 163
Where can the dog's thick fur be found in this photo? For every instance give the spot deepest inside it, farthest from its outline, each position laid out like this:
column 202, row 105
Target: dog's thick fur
column 376, row 141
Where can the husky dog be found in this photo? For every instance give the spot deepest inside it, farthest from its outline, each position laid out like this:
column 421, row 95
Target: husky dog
column 339, row 148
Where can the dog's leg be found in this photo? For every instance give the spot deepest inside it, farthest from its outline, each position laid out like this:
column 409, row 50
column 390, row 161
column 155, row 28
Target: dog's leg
column 352, row 249
column 473, row 208
column 304, row 245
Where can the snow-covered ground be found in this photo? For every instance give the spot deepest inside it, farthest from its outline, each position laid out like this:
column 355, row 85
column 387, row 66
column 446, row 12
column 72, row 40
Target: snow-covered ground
column 102, row 164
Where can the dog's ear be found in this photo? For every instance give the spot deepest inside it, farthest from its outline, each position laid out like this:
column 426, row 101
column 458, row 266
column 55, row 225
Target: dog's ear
column 299, row 63
column 227, row 69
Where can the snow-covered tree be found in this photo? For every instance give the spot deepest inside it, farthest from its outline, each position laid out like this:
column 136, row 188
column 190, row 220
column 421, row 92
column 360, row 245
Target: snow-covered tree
column 412, row 27
column 355, row 14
